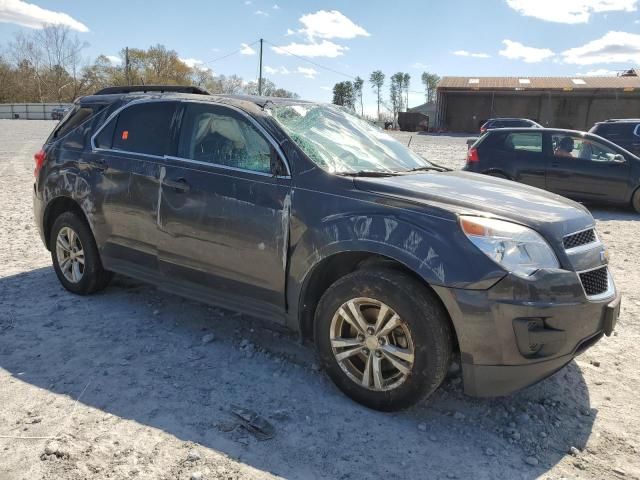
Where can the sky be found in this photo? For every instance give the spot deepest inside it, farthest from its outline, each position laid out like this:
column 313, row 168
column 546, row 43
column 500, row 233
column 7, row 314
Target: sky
column 310, row 45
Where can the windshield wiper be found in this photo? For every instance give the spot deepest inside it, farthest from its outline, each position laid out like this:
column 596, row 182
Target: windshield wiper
column 433, row 167
column 368, row 173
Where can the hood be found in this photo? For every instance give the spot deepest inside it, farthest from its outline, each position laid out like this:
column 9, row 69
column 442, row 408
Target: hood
column 465, row 192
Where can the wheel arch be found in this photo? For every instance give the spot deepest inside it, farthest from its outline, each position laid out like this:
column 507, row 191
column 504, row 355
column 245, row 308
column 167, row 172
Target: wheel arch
column 57, row 207
column 331, row 268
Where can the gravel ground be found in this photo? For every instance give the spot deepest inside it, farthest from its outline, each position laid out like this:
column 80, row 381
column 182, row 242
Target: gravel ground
column 135, row 383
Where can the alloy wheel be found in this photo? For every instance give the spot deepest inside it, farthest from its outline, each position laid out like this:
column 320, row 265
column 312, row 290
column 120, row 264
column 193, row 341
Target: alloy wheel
column 372, row 344
column 70, row 254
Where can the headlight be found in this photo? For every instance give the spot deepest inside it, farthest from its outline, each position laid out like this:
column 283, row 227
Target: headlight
column 517, row 249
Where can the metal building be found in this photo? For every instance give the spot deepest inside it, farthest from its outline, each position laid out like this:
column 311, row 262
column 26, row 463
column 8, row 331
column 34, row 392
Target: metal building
column 464, row 103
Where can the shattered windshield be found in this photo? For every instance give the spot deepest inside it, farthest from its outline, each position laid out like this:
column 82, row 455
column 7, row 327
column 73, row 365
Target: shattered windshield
column 340, row 142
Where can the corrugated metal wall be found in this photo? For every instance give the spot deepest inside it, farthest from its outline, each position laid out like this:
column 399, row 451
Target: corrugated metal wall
column 29, row 111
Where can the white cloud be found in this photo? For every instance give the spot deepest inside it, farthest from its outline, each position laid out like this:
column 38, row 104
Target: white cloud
column 248, row 2
column 464, row 53
column 261, row 13
column 190, row 62
column 600, row 72
column 307, row 72
column 419, row 66
column 277, row 70
column 518, row 51
column 290, row 32
column 324, row 49
column 613, row 47
column 33, row 16
column 276, row 6
column 247, row 50
column 570, row 11
column 330, row 24
column 114, row 59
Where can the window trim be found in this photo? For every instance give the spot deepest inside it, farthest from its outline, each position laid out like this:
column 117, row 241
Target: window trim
column 250, row 119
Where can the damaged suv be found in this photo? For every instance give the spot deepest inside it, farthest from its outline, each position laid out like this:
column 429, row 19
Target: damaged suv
column 305, row 214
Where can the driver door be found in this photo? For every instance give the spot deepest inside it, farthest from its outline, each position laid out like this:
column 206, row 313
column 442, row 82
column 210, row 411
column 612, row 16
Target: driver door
column 585, row 169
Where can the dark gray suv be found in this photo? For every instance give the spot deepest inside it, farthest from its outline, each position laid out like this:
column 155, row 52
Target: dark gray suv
column 304, row 214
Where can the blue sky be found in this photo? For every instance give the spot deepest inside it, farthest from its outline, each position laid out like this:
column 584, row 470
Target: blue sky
column 492, row 37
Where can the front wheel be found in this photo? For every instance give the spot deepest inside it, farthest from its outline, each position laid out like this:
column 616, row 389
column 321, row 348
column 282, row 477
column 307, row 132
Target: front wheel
column 383, row 338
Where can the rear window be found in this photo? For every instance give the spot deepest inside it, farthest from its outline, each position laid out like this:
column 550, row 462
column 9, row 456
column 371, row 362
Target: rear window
column 615, row 129
column 142, row 128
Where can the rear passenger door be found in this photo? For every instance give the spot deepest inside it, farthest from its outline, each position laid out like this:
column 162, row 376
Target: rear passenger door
column 224, row 213
column 519, row 155
column 130, row 151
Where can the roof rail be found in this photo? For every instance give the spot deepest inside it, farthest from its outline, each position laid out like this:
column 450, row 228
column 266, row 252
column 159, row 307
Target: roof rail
column 152, row 88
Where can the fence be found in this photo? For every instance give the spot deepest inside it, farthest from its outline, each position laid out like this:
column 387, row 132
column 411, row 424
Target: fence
column 29, row 111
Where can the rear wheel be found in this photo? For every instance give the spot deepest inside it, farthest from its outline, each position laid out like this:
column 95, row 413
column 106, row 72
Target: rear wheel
column 635, row 200
column 383, row 338
column 75, row 256
column 497, row 175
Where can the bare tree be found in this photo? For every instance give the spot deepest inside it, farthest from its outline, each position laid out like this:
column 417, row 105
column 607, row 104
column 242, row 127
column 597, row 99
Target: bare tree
column 377, row 81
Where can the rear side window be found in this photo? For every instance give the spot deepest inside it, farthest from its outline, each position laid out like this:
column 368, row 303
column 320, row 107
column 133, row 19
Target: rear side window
column 75, row 117
column 615, row 130
column 142, row 128
column 523, row 142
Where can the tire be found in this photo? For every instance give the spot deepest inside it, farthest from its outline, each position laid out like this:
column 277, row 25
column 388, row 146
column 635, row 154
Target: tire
column 423, row 330
column 497, row 175
column 76, row 235
column 635, row 200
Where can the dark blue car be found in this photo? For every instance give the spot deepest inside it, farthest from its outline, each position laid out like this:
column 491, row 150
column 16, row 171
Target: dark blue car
column 305, row 214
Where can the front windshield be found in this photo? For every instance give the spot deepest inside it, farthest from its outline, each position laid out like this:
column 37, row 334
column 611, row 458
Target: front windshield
column 340, row 142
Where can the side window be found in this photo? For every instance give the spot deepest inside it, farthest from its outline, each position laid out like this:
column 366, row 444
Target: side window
column 221, row 136
column 105, row 138
column 78, row 115
column 144, row 128
column 524, row 142
column 570, row 146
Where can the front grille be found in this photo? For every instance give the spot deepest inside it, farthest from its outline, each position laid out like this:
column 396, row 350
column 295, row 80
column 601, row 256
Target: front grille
column 595, row 281
column 578, row 239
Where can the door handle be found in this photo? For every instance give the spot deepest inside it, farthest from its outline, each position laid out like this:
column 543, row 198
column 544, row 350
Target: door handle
column 179, row 184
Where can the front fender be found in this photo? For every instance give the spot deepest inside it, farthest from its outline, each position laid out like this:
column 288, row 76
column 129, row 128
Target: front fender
column 436, row 250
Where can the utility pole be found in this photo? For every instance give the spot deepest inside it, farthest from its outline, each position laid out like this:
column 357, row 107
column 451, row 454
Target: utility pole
column 260, row 77
column 126, row 64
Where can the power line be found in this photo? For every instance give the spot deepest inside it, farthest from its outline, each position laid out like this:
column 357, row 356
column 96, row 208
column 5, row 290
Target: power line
column 230, row 53
column 310, row 61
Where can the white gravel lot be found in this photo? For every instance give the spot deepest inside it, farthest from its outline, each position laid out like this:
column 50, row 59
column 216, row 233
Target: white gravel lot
column 121, row 384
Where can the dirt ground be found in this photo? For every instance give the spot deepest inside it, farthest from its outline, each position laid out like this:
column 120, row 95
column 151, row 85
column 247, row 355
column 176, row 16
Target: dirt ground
column 135, row 383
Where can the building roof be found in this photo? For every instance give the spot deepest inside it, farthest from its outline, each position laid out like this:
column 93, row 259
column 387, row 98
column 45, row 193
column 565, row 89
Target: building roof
column 539, row 83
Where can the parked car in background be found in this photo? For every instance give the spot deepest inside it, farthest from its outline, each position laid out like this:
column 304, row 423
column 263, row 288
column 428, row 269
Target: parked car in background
column 578, row 165
column 622, row 132
column 58, row 113
column 494, row 123
column 307, row 215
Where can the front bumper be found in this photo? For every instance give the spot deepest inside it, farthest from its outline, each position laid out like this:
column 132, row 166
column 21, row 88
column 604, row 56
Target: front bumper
column 520, row 331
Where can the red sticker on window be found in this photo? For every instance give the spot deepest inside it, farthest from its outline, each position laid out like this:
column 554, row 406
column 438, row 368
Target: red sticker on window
column 125, row 134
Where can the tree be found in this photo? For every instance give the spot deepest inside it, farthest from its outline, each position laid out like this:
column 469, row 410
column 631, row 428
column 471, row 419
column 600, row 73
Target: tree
column 269, row 89
column 430, row 81
column 343, row 94
column 406, row 79
column 396, row 94
column 358, row 83
column 377, row 81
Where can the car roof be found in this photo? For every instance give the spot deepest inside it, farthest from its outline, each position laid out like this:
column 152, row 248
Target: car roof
column 619, row 120
column 509, row 118
column 112, row 94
